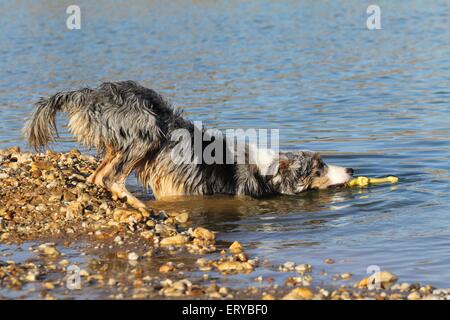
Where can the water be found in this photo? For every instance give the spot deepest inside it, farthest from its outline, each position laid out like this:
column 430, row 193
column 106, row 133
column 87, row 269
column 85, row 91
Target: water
column 377, row 101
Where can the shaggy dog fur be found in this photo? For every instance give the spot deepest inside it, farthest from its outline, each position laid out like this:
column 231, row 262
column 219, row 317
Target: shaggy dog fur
column 132, row 126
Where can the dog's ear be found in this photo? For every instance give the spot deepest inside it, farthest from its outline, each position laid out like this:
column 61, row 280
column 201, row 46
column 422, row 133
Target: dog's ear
column 285, row 178
column 284, row 164
column 317, row 156
column 316, row 159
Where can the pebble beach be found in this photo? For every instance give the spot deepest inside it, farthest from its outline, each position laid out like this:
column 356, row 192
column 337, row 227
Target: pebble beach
column 50, row 211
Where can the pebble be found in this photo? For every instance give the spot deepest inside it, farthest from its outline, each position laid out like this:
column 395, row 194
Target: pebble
column 203, row 233
column 182, row 217
column 84, row 273
column 299, row 294
column 176, row 240
column 48, row 250
column 48, row 285
column 223, row 291
column 384, row 279
column 304, row 281
column 242, row 257
column 69, row 196
column 42, row 165
column 431, row 297
column 123, row 215
column 150, row 223
column 414, row 296
column 324, row 292
column 346, row 276
column 30, row 277
column 303, row 268
column 167, row 267
column 234, row 267
column 133, row 256
column 165, row 230
column 148, row 235
column 74, row 210
column 287, row 266
column 236, row 247
column 405, row 287
column 64, row 263
column 441, row 291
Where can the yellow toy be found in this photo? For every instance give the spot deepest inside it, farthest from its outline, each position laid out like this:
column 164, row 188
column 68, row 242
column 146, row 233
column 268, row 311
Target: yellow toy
column 365, row 181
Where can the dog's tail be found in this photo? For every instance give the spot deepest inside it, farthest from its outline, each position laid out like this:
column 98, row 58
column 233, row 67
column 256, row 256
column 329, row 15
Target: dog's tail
column 41, row 128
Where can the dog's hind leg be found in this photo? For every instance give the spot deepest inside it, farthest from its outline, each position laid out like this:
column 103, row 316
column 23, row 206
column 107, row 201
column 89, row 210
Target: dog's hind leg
column 97, row 176
column 115, row 177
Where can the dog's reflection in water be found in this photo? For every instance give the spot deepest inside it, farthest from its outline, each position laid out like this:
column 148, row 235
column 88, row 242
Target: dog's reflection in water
column 218, row 211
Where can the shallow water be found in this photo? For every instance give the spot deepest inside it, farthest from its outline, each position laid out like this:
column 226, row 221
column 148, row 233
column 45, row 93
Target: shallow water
column 377, row 101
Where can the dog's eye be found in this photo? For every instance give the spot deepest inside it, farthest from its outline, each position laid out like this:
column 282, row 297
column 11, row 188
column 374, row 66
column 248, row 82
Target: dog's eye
column 317, row 173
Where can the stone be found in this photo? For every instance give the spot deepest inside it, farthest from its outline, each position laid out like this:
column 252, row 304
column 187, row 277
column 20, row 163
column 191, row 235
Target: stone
column 236, row 247
column 48, row 250
column 69, row 196
column 234, row 266
column 346, row 276
column 148, row 235
column 64, row 263
column 48, row 285
column 123, row 215
column 384, row 279
column 303, row 268
column 166, row 268
column 203, row 233
column 414, row 296
column 30, row 277
column 241, row 257
column 182, row 217
column 74, row 211
column 287, row 266
column 299, row 294
column 431, row 297
column 176, row 240
column 150, row 223
column 223, row 291
column 133, row 256
column 42, row 165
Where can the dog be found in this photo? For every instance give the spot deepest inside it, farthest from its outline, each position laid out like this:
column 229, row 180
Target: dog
column 131, row 125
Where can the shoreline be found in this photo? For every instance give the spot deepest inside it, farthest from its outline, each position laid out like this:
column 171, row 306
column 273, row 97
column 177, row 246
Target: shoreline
column 47, row 205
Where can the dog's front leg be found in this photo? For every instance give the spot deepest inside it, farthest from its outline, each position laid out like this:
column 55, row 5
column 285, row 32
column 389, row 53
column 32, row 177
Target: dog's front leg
column 119, row 191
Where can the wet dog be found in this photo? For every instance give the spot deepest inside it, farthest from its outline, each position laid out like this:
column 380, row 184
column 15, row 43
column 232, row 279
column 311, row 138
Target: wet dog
column 132, row 126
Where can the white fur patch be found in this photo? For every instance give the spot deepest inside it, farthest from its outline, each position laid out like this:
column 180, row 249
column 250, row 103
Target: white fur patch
column 265, row 159
column 337, row 175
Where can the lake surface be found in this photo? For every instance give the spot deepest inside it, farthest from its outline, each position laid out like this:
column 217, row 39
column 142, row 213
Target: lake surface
column 377, row 101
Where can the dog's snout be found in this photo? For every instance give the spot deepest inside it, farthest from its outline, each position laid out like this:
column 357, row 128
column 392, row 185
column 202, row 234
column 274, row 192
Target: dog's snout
column 349, row 171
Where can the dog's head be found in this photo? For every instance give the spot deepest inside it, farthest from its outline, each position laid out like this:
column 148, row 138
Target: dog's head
column 304, row 170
